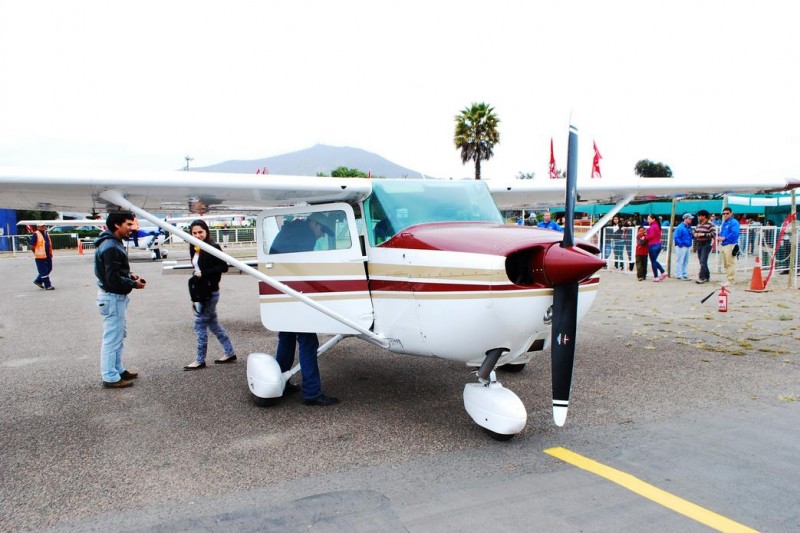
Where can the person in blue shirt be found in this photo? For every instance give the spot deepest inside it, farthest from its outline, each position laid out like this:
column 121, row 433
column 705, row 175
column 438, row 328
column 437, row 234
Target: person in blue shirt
column 301, row 235
column 728, row 237
column 546, row 223
column 682, row 237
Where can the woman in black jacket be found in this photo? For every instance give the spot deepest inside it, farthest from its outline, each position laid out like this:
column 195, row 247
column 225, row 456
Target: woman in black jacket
column 209, row 269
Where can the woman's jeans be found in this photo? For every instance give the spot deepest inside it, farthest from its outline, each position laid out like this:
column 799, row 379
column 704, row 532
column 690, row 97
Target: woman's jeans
column 205, row 319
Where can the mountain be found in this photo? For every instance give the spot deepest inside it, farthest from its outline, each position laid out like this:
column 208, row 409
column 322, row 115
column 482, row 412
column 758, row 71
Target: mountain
column 317, row 159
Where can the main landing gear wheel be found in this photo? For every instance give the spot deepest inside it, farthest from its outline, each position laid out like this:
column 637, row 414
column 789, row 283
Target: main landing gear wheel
column 512, row 368
column 265, row 402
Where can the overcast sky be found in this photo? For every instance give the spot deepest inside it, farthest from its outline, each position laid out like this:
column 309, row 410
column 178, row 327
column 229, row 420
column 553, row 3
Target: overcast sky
column 709, row 88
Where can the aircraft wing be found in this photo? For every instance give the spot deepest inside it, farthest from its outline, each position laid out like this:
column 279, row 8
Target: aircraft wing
column 519, row 194
column 169, row 191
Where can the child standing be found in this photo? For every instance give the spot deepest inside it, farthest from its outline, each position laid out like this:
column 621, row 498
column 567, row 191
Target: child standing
column 641, row 254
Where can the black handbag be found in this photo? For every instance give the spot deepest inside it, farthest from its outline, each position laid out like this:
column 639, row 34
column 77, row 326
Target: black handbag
column 199, row 289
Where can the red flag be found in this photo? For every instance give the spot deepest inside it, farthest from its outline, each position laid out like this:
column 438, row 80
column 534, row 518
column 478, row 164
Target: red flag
column 596, row 162
column 553, row 171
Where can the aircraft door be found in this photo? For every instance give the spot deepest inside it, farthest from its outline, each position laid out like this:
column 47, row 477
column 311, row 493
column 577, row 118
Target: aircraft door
column 314, row 250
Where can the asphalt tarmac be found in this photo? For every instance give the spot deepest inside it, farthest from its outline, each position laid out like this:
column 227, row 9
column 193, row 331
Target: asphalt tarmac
column 700, row 404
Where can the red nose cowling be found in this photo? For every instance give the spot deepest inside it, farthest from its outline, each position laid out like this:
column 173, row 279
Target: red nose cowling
column 569, row 265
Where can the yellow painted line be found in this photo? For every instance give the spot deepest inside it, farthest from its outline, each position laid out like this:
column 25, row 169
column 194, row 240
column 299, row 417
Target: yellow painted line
column 661, row 497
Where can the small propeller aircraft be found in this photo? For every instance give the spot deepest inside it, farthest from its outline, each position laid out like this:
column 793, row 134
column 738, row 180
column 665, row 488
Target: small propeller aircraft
column 419, row 267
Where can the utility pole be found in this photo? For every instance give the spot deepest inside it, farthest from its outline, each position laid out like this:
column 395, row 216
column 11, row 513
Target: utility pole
column 188, row 158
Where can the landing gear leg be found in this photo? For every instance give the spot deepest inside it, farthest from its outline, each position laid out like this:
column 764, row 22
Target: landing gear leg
column 492, row 406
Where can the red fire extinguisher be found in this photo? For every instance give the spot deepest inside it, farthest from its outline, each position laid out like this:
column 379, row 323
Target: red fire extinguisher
column 723, row 300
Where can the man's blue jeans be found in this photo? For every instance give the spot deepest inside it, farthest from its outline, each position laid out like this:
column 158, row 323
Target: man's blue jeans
column 205, row 319
column 682, row 260
column 309, row 343
column 113, row 308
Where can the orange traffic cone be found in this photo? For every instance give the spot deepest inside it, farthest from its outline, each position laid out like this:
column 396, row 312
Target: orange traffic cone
column 80, row 247
column 756, row 281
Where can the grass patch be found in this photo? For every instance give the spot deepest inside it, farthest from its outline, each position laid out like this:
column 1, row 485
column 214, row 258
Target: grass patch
column 784, row 398
column 774, row 351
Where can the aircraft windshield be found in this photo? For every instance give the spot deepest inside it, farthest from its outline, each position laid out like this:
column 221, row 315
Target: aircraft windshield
column 397, row 204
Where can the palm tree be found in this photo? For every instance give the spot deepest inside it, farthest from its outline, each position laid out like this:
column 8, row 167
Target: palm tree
column 476, row 134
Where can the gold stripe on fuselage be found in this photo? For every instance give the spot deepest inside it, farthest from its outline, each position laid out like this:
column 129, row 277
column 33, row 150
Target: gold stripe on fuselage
column 313, row 270
column 471, row 295
column 432, row 272
column 317, row 297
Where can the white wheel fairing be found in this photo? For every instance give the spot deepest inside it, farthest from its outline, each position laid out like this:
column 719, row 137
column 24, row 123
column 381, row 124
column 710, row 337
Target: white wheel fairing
column 264, row 376
column 495, row 408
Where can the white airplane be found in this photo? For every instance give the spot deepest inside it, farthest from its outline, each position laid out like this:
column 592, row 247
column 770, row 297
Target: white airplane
column 450, row 280
column 147, row 236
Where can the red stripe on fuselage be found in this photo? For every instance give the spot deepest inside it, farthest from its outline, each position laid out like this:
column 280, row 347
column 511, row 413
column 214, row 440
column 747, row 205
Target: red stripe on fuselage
column 335, row 286
column 317, row 286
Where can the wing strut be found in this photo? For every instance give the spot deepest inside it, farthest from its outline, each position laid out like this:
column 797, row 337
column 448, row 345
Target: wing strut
column 117, row 198
column 603, row 221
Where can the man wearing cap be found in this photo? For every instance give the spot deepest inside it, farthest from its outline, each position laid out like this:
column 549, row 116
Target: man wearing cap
column 43, row 254
column 682, row 237
column 301, row 235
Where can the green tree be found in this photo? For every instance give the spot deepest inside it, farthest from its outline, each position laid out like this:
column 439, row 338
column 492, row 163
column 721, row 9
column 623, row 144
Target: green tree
column 476, row 134
column 344, row 172
column 647, row 169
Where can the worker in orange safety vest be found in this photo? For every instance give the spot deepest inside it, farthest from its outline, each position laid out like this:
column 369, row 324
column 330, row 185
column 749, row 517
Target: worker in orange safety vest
column 43, row 254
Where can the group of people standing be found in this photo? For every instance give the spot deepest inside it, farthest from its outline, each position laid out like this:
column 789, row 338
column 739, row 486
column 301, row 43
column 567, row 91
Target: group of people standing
column 685, row 236
column 116, row 281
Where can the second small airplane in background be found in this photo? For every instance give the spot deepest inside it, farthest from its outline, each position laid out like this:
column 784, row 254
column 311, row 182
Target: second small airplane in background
column 147, row 235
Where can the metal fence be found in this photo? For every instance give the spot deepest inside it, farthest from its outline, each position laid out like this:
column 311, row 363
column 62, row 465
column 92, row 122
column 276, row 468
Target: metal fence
column 618, row 249
column 14, row 244
column 20, row 243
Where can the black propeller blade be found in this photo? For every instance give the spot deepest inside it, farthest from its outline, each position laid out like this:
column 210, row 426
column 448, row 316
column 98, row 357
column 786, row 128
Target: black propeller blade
column 565, row 300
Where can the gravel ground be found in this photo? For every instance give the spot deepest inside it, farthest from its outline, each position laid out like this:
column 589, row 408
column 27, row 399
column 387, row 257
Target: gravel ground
column 648, row 352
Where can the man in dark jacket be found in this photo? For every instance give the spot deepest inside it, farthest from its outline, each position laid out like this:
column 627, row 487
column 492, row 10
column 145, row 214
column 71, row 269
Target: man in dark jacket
column 115, row 282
